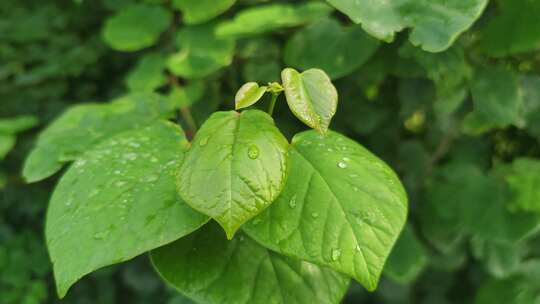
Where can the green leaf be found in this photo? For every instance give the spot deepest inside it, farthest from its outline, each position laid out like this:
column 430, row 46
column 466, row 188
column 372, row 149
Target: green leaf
column 248, row 94
column 83, row 126
column 272, row 17
column 408, row 258
column 235, row 168
column 341, row 207
column 530, row 89
column 513, row 290
column 187, row 95
column 311, row 96
column 118, row 201
column 496, row 97
column 500, row 259
column 435, row 24
column 200, row 11
column 201, row 52
column 524, row 182
column 7, row 142
column 329, row 46
column 210, row 269
column 17, row 124
column 148, row 74
column 136, row 27
column 514, row 29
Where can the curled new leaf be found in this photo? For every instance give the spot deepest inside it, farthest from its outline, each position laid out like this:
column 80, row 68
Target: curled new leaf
column 311, row 96
column 248, row 94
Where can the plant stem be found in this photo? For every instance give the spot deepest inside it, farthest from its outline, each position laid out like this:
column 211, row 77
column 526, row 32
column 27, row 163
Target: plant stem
column 272, row 103
column 188, row 118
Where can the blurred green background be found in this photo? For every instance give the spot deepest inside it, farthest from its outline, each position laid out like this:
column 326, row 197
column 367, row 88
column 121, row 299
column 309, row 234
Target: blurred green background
column 461, row 127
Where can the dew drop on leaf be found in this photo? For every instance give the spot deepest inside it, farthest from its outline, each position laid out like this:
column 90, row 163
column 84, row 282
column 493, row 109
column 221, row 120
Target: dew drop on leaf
column 342, row 165
column 336, row 253
column 292, row 202
column 203, row 141
column 253, row 152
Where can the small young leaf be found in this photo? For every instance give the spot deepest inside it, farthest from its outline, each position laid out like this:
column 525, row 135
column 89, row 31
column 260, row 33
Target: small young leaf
column 200, row 11
column 235, row 168
column 136, row 27
column 341, row 207
column 248, row 94
column 83, row 126
column 117, row 201
column 209, row 269
column 311, row 96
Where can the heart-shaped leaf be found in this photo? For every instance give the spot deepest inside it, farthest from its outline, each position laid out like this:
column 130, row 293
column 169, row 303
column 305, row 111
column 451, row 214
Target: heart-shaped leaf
column 136, row 27
column 200, row 11
column 311, row 96
column 118, row 201
column 82, row 126
column 435, row 24
column 235, row 168
column 210, row 269
column 341, row 207
column 331, row 47
column 248, row 94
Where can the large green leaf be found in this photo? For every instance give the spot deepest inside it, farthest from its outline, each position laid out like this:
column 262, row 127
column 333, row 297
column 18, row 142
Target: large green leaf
column 148, row 74
column 210, row 269
column 435, row 24
column 524, row 182
column 82, row 126
column 201, row 52
column 235, row 167
column 341, row 207
column 311, row 96
column 136, row 27
column 199, row 11
column 118, row 201
column 514, row 29
column 271, row 17
column 327, row 45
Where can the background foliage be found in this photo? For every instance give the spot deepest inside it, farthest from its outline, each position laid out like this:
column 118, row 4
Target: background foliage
column 461, row 125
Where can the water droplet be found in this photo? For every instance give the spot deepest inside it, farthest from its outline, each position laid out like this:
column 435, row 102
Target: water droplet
column 358, row 248
column 314, row 215
column 120, row 183
column 355, row 189
column 253, row 152
column 69, row 202
column 203, row 141
column 342, row 165
column 131, row 156
column 336, row 253
column 151, row 178
column 101, row 235
column 292, row 202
